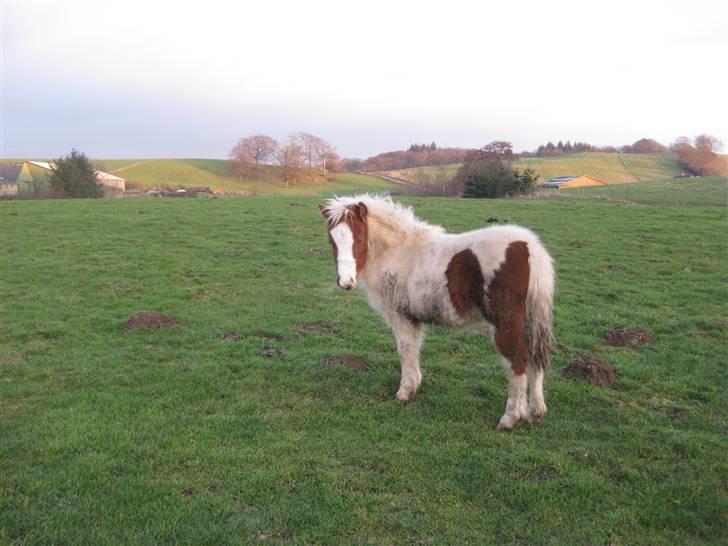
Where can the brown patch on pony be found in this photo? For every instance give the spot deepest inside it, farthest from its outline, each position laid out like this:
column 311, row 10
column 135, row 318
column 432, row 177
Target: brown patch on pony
column 507, row 305
column 358, row 224
column 465, row 283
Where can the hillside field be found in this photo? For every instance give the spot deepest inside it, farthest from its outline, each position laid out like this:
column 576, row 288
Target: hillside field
column 612, row 168
column 707, row 191
column 215, row 173
column 193, row 435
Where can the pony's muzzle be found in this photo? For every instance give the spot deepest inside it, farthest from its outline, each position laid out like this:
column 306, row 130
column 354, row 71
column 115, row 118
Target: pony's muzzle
column 346, row 284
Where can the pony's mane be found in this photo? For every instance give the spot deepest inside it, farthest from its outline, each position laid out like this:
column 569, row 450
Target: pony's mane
column 382, row 209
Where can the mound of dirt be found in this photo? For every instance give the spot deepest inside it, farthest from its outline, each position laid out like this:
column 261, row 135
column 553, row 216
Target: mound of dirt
column 149, row 319
column 352, row 362
column 592, row 370
column 628, row 337
column 305, row 329
column 270, row 352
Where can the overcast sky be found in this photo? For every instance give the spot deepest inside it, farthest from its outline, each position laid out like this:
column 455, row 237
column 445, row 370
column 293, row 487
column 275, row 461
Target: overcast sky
column 153, row 79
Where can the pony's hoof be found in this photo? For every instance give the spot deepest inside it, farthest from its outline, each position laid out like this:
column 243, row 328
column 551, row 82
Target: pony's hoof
column 403, row 396
column 536, row 415
column 507, row 422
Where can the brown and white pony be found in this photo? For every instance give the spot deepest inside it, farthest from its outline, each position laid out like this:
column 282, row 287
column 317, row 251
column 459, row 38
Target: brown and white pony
column 415, row 273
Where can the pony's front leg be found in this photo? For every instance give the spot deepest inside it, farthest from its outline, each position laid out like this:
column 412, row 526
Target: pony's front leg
column 409, row 341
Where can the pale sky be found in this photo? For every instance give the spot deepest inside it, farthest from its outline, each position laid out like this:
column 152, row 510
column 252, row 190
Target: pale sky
column 175, row 79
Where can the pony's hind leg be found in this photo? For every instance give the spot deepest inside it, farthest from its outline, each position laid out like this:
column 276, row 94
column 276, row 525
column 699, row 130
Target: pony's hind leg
column 509, row 341
column 516, row 407
column 409, row 341
column 536, row 404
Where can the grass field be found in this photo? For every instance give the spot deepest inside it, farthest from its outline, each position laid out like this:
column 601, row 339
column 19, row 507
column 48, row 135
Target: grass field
column 707, row 191
column 215, row 173
column 612, row 168
column 189, row 435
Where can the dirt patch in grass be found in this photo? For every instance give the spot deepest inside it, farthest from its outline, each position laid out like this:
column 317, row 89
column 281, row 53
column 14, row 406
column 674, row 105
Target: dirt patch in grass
column 271, row 352
column 309, row 328
column 628, row 337
column 315, row 250
column 352, row 362
column 592, row 371
column 149, row 319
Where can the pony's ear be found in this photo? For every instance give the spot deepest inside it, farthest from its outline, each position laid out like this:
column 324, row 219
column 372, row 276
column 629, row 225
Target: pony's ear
column 322, row 208
column 362, row 210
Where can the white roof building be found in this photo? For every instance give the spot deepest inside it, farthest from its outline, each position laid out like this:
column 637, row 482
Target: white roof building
column 105, row 179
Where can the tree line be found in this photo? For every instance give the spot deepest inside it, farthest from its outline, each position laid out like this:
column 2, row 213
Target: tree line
column 417, row 155
column 697, row 152
column 300, row 156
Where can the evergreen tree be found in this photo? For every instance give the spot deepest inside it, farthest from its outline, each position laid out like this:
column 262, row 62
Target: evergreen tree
column 75, row 176
column 490, row 174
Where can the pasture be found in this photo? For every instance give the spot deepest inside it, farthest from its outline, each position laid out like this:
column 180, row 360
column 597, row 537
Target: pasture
column 215, row 173
column 706, row 191
column 612, row 168
column 241, row 425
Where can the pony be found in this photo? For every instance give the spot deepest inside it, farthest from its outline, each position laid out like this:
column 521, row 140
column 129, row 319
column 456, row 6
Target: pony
column 415, row 273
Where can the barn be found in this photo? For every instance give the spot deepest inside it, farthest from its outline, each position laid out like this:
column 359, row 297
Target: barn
column 9, row 174
column 565, row 182
column 113, row 185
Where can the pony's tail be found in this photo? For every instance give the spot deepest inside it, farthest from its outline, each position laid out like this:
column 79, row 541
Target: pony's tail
column 539, row 306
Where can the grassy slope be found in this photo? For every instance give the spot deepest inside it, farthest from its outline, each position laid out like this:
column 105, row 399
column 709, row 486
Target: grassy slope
column 214, row 173
column 612, row 168
column 708, row 191
column 180, row 436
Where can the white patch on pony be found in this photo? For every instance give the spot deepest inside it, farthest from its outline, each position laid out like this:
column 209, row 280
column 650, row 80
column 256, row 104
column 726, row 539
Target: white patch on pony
column 345, row 262
column 516, row 407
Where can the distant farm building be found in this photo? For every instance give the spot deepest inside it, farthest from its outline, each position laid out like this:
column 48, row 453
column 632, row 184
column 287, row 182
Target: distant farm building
column 565, row 182
column 9, row 174
column 32, row 177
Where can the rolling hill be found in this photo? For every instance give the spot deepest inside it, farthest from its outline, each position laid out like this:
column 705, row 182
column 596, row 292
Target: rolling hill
column 612, row 168
column 215, row 173
column 704, row 191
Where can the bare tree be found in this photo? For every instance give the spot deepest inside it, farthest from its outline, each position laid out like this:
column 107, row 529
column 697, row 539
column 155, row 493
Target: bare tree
column 250, row 152
column 326, row 155
column 708, row 143
column 442, row 178
column 257, row 149
column 290, row 157
column 679, row 143
column 314, row 148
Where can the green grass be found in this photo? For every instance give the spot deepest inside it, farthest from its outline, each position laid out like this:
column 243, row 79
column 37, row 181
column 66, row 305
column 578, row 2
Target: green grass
column 215, row 173
column 707, row 191
column 612, row 168
column 181, row 436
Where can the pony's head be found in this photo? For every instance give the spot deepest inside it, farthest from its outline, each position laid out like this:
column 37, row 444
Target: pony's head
column 348, row 234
